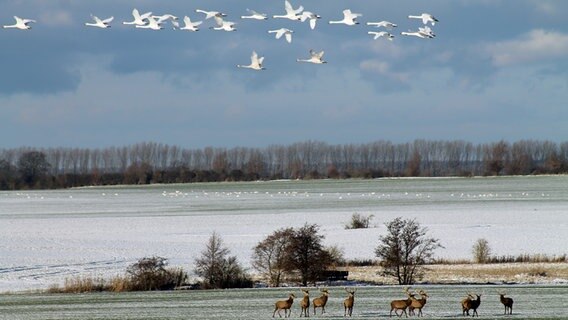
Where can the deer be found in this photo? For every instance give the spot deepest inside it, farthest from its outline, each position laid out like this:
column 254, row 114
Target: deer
column 418, row 303
column 401, row 304
column 507, row 302
column 305, row 304
column 284, row 305
column 471, row 303
column 321, row 301
column 348, row 303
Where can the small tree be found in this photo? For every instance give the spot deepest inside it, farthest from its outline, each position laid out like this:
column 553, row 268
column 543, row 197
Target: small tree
column 269, row 255
column 481, row 251
column 405, row 249
column 306, row 254
column 218, row 269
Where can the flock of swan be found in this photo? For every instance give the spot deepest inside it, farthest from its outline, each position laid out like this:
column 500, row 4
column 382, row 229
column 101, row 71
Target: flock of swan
column 151, row 21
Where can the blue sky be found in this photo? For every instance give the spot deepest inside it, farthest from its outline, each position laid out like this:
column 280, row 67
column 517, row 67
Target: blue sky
column 498, row 69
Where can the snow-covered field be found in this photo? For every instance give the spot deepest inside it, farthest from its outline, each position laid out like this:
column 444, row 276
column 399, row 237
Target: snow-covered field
column 47, row 236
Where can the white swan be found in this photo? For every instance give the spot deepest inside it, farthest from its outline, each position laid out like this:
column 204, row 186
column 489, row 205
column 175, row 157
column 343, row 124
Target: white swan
column 223, row 25
column 424, row 33
column 291, row 13
column 427, row 31
column 312, row 17
column 381, row 34
column 190, row 26
column 349, row 18
column 152, row 24
column 165, row 17
column 255, row 15
column 211, row 14
column 103, row 24
column 283, row 32
column 138, row 18
column 385, row 24
column 255, row 62
column 315, row 57
column 21, row 24
column 425, row 17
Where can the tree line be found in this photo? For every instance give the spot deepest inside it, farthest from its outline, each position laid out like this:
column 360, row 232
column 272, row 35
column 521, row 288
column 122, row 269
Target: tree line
column 148, row 162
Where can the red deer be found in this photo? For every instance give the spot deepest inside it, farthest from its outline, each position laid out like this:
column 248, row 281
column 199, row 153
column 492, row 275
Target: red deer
column 401, row 304
column 321, row 301
column 507, row 302
column 305, row 304
column 471, row 303
column 284, row 305
column 418, row 303
column 348, row 303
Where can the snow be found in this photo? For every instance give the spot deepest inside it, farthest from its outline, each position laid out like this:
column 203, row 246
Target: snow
column 48, row 236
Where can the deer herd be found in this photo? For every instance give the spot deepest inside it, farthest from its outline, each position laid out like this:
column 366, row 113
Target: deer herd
column 413, row 304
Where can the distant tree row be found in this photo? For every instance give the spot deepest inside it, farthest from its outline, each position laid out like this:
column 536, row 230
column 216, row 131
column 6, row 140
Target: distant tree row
column 145, row 163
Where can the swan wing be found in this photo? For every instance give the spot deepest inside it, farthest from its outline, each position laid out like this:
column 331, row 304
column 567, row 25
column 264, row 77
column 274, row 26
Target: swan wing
column 108, row 20
column 313, row 23
column 289, row 37
column 288, row 7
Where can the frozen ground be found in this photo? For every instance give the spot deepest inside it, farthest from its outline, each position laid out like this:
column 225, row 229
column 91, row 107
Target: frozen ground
column 47, row 236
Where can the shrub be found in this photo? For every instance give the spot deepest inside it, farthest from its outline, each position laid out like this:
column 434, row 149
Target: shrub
column 359, row 221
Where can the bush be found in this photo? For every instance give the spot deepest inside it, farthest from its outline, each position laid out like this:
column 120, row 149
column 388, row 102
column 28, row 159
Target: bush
column 359, row 221
column 151, row 274
column 481, row 251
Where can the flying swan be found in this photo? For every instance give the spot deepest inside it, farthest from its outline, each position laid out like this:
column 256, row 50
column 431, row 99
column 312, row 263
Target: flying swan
column 103, row 24
column 255, row 63
column 287, row 33
column 349, row 18
column 21, row 24
column 315, row 58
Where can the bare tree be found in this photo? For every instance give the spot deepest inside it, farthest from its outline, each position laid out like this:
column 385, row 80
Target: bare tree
column 481, row 251
column 405, row 249
column 269, row 255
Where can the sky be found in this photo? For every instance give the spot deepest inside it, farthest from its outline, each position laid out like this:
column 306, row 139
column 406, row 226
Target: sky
column 497, row 69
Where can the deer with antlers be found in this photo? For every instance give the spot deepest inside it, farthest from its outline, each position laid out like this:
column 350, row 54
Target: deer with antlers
column 401, row 304
column 348, row 303
column 321, row 301
column 285, row 305
column 471, row 303
column 507, row 302
column 305, row 303
column 418, row 303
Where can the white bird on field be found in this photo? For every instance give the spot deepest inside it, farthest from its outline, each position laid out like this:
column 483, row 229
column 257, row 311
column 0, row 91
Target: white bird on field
column 211, row 14
column 152, row 24
column 139, row 19
column 312, row 17
column 103, row 24
column 315, row 57
column 349, row 18
column 425, row 17
column 190, row 26
column 291, row 13
column 21, row 24
column 385, row 24
column 287, row 33
column 223, row 25
column 381, row 34
column 255, row 63
column 255, row 15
